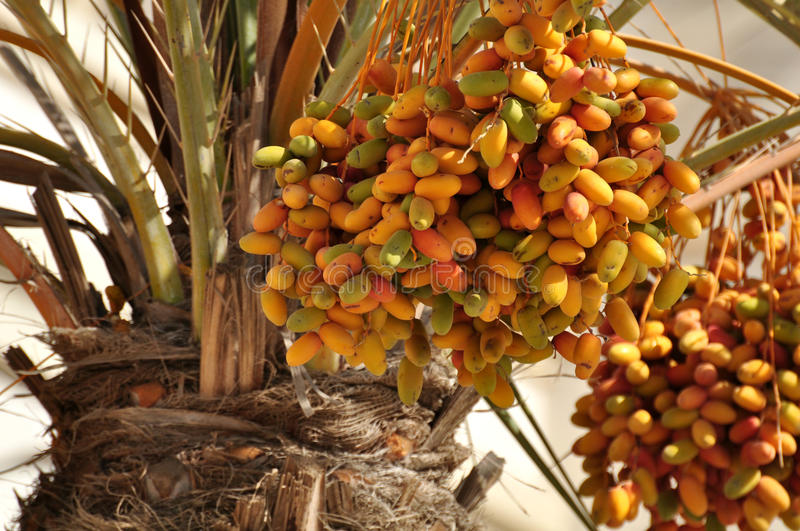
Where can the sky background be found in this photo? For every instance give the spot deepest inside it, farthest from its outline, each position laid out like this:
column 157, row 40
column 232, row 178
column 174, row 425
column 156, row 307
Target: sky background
column 523, row 499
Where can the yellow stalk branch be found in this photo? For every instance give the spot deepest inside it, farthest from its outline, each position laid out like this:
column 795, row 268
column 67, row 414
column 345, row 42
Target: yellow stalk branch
column 707, row 61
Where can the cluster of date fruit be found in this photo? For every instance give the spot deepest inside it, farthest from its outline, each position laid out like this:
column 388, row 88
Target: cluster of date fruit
column 517, row 201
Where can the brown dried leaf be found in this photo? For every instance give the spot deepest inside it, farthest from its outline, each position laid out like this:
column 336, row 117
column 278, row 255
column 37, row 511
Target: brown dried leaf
column 34, row 282
column 56, row 229
column 20, row 169
column 245, row 453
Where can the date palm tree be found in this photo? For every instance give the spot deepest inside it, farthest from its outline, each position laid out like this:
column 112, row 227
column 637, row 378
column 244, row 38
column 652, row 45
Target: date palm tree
column 174, row 409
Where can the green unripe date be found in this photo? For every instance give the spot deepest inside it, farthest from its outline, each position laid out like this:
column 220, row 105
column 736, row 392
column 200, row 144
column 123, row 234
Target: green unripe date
column 368, row 153
column 482, row 84
column 486, row 29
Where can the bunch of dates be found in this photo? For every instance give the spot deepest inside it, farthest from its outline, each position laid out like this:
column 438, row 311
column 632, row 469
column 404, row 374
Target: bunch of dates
column 511, row 200
column 697, row 420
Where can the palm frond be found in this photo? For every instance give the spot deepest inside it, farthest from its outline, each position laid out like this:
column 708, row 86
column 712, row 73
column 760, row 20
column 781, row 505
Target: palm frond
column 359, row 23
column 56, row 229
column 344, row 75
column 50, row 108
column 193, row 87
column 118, row 153
column 743, row 139
column 533, row 454
column 245, row 12
column 545, row 441
column 64, row 158
column 784, row 16
column 468, row 12
column 626, row 10
column 24, row 170
column 151, row 61
column 35, row 282
column 120, row 28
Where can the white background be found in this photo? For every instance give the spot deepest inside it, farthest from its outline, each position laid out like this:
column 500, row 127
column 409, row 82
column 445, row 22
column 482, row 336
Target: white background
column 523, row 500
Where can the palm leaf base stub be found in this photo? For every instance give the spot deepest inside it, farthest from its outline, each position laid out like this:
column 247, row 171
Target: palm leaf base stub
column 253, row 461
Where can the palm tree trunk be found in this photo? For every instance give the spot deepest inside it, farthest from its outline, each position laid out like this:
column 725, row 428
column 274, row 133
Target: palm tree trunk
column 136, row 446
